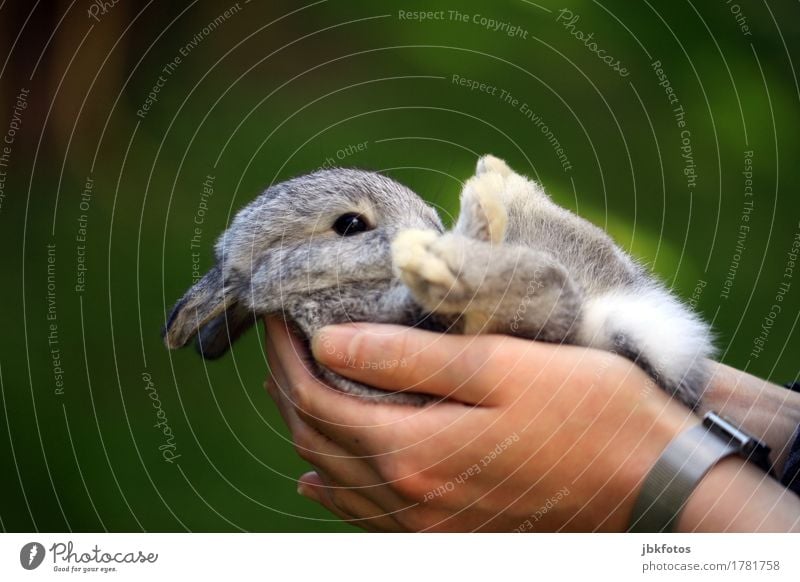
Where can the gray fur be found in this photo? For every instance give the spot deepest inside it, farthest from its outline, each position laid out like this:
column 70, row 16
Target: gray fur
column 515, row 263
column 280, row 256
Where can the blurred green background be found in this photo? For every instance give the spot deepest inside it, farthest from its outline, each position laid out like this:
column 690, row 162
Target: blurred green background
column 277, row 89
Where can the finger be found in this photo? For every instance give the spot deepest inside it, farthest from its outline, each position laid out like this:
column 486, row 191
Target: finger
column 346, row 504
column 276, row 384
column 368, row 429
column 372, row 430
column 314, row 400
column 345, row 466
column 313, row 488
column 352, row 472
column 289, row 354
column 284, row 352
column 406, row 359
column 284, row 405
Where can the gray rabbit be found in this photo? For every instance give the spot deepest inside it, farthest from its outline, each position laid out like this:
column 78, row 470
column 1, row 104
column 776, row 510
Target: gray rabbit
column 345, row 245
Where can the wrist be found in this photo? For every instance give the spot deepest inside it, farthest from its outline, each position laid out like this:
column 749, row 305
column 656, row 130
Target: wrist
column 735, row 496
column 659, row 420
column 767, row 411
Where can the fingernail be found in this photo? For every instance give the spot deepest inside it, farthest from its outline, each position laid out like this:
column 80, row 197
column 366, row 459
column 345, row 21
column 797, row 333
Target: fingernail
column 301, row 490
column 334, row 345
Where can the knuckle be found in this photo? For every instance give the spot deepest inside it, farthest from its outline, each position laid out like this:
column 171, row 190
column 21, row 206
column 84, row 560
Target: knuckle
column 404, row 477
column 304, row 453
column 411, row 488
column 304, row 445
column 390, row 466
column 481, row 359
column 302, row 397
column 339, row 500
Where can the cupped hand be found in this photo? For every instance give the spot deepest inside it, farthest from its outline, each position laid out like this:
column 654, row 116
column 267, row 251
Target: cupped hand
column 527, row 436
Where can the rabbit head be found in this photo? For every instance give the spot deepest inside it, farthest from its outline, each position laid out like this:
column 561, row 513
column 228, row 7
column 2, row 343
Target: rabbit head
column 313, row 242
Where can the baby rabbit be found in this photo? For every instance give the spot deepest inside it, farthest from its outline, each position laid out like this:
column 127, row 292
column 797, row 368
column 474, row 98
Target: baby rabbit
column 316, row 249
column 346, row 245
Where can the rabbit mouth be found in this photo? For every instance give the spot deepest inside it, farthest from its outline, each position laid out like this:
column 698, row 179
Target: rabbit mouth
column 303, row 338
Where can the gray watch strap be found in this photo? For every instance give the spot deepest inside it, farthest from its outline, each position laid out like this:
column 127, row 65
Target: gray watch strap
column 675, row 475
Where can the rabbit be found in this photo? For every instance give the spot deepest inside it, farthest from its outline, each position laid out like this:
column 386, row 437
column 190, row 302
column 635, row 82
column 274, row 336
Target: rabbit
column 316, row 249
column 349, row 245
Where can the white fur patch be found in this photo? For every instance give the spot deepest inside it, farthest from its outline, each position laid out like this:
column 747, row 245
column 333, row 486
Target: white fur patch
column 666, row 333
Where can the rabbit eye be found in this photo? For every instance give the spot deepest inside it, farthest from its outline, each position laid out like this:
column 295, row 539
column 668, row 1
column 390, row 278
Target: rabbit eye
column 350, row 224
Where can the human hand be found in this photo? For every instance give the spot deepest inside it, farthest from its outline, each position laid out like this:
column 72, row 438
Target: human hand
column 532, row 436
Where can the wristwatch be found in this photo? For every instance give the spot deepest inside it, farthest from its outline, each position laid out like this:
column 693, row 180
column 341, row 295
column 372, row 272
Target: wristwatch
column 683, row 464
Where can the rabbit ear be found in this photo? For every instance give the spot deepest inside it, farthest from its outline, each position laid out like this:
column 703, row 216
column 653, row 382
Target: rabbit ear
column 202, row 303
column 217, row 336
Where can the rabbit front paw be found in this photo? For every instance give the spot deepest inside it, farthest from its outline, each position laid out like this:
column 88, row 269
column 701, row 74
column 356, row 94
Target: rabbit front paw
column 421, row 261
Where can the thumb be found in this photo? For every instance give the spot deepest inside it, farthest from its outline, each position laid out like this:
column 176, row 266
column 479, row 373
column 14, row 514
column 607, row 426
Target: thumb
column 397, row 358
